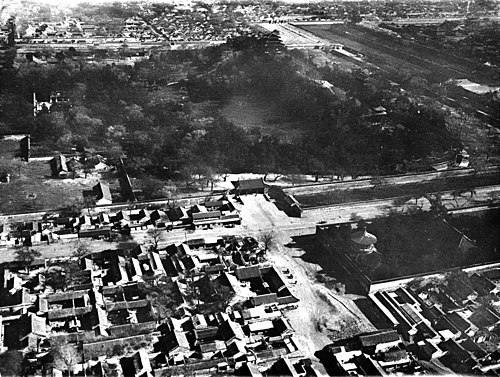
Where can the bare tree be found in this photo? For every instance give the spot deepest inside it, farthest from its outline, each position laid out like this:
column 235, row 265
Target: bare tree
column 89, row 202
column 223, row 294
column 437, row 206
column 27, row 256
column 72, row 209
column 466, row 194
column 163, row 295
column 224, row 174
column 276, row 176
column 155, row 236
column 193, row 289
column 19, row 227
column 65, row 354
column 206, row 174
column 81, row 250
column 152, row 188
column 88, row 168
column 267, row 239
column 56, row 278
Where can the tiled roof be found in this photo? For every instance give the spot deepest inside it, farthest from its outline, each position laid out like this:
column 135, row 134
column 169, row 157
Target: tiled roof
column 249, row 184
column 206, row 215
column 484, row 317
column 207, row 333
column 247, row 272
column 386, row 336
column 230, row 329
column 481, row 284
column 460, row 323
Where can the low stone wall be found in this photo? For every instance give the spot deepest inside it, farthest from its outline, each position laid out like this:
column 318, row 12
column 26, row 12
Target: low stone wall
column 17, row 137
column 376, row 286
column 45, row 158
column 330, row 22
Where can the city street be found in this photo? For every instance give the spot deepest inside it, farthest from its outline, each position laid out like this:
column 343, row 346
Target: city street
column 260, row 216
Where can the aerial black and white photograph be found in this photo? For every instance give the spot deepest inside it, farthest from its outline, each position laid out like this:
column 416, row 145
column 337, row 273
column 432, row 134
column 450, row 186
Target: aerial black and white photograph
column 258, row 188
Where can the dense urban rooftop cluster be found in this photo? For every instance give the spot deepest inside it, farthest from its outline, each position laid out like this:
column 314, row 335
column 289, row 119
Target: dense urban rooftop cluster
column 452, row 322
column 104, row 304
column 376, row 354
column 478, row 37
column 199, row 25
column 299, row 93
column 190, row 21
column 72, row 30
column 127, row 221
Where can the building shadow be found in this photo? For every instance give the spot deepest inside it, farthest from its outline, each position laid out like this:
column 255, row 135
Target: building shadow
column 331, row 269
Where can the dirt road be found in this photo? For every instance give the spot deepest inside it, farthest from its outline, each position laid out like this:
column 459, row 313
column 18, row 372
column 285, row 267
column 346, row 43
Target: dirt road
column 321, row 313
column 259, row 216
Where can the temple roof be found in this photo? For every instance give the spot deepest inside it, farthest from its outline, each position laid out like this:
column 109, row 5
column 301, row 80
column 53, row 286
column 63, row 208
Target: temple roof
column 363, row 238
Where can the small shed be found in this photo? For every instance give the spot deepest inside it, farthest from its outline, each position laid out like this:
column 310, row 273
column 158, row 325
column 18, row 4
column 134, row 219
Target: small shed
column 59, row 166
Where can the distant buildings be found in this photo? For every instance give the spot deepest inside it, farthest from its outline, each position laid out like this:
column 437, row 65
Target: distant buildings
column 39, row 106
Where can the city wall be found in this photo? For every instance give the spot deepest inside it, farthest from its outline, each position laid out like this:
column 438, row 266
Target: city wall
column 384, row 180
column 391, row 284
column 371, row 286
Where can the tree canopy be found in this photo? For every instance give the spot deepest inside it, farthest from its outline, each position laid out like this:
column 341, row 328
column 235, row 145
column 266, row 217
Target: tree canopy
column 27, row 255
column 151, row 114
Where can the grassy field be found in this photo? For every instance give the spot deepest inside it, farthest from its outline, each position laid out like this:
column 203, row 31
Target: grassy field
column 50, row 193
column 250, row 113
column 9, row 149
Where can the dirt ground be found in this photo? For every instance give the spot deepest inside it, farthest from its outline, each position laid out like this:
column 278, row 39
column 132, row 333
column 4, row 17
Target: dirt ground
column 49, row 193
column 9, row 148
column 249, row 113
column 321, row 313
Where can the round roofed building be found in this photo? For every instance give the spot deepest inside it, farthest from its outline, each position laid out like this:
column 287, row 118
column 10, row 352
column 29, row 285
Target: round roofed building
column 363, row 242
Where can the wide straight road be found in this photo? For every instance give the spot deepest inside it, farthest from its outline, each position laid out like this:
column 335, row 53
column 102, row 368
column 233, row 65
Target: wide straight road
column 260, row 216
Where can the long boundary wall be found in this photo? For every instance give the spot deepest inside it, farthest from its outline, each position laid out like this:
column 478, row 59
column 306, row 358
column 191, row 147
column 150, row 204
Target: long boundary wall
column 376, row 286
column 390, row 284
column 387, row 180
